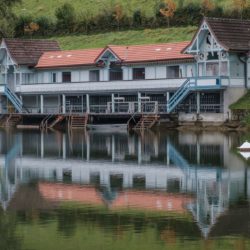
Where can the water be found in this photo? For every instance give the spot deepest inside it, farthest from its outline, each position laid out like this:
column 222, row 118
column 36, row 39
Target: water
column 156, row 190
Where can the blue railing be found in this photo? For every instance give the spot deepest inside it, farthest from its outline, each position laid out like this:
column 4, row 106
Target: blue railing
column 15, row 100
column 191, row 84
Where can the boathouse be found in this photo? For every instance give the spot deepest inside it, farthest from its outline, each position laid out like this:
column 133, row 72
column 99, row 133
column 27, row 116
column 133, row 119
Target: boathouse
column 196, row 80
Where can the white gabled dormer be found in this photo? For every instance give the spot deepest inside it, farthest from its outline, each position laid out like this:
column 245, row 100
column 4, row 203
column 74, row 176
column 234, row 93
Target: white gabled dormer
column 109, row 61
column 211, row 56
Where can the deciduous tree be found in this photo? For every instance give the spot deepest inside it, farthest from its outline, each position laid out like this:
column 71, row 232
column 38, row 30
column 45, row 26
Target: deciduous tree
column 169, row 10
column 240, row 5
column 206, row 6
column 118, row 14
column 7, row 17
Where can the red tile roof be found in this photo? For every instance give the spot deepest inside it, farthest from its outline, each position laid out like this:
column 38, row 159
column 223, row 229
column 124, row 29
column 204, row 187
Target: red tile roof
column 150, row 53
column 126, row 54
column 68, row 58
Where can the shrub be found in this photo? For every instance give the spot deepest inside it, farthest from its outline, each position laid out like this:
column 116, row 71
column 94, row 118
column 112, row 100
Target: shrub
column 65, row 16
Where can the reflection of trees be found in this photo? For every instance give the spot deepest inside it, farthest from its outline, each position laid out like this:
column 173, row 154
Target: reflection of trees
column 67, row 222
column 8, row 237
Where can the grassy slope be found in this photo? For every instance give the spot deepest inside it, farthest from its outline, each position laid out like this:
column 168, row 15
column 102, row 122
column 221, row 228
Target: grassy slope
column 91, row 7
column 242, row 103
column 147, row 36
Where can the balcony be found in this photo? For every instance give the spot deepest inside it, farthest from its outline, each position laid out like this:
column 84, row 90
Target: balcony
column 103, row 86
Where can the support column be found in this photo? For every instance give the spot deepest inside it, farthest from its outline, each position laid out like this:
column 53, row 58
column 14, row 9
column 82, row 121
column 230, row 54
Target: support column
column 167, row 96
column 139, row 102
column 41, row 104
column 87, row 104
column 63, row 104
column 113, row 103
column 42, row 145
column 198, row 102
column 113, row 148
column 64, row 146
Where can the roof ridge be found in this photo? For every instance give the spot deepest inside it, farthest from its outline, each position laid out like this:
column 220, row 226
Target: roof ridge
column 30, row 39
column 227, row 19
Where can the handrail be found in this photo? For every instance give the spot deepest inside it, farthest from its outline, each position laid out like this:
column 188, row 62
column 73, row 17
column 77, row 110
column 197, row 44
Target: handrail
column 18, row 104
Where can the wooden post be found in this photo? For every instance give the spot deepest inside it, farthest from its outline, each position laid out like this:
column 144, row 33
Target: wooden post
column 198, row 102
column 87, row 104
column 41, row 104
column 63, row 104
column 113, row 103
column 139, row 102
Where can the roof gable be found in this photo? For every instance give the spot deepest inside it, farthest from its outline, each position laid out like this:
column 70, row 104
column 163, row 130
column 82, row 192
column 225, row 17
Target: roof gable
column 232, row 33
column 28, row 51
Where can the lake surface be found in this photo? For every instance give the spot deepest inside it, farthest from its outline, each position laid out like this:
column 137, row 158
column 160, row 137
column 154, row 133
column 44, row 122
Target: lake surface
column 103, row 190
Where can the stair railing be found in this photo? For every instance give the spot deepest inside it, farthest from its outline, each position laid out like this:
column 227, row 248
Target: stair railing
column 15, row 100
column 180, row 94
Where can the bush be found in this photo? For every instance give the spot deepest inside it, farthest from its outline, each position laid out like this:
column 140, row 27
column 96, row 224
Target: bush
column 65, row 16
column 46, row 26
column 21, row 23
column 137, row 18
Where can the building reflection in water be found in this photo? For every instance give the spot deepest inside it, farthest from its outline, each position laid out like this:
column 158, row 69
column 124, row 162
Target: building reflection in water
column 156, row 171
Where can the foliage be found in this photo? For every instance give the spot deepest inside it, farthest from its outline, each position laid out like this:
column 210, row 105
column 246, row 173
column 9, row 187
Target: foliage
column 240, row 6
column 207, row 6
column 65, row 16
column 115, row 16
column 169, row 10
column 242, row 103
column 118, row 14
column 7, row 17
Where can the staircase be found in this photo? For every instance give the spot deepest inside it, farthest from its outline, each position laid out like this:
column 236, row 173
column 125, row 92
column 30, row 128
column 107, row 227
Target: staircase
column 15, row 100
column 180, row 94
column 57, row 119
column 78, row 121
column 146, row 122
column 10, row 120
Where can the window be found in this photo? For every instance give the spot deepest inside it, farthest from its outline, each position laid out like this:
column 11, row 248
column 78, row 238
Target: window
column 139, row 73
column 66, row 76
column 94, row 75
column 54, row 77
column 173, row 72
column 115, row 74
column 212, row 69
column 224, row 69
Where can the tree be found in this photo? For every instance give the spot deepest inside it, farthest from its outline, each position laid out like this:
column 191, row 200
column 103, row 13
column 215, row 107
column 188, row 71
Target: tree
column 240, row 5
column 31, row 28
column 206, row 6
column 169, row 10
column 118, row 14
column 65, row 16
column 7, row 21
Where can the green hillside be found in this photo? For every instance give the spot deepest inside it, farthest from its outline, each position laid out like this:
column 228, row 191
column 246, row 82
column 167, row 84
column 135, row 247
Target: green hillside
column 92, row 7
column 147, row 36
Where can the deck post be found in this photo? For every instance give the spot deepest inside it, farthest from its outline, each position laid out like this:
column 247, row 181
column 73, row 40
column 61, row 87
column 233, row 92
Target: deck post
column 198, row 102
column 113, row 103
column 41, row 104
column 87, row 104
column 167, row 96
column 63, row 104
column 139, row 102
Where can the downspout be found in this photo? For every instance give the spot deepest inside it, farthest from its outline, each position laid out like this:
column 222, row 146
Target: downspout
column 244, row 60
